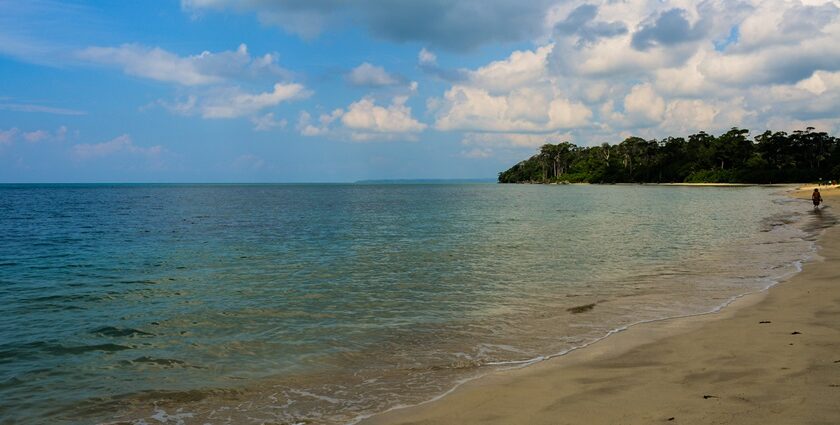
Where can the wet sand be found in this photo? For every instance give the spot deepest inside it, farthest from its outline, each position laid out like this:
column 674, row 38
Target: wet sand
column 768, row 358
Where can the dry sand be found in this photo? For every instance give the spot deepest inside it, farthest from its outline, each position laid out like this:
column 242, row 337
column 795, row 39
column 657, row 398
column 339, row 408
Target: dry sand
column 768, row 358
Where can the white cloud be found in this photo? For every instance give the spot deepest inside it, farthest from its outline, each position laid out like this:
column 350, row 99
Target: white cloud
column 154, row 63
column 267, row 122
column 815, row 98
column 751, row 63
column 687, row 116
column 310, row 129
column 36, row 136
column 644, row 105
column 202, row 69
column 600, row 70
column 776, row 64
column 212, row 82
column 364, row 120
column 61, row 133
column 233, row 102
column 24, row 107
column 371, row 75
column 524, row 109
column 820, row 82
column 186, row 107
column 7, row 137
column 785, row 22
column 516, row 94
column 685, row 80
column 118, row 145
column 365, row 116
column 426, row 57
column 521, row 68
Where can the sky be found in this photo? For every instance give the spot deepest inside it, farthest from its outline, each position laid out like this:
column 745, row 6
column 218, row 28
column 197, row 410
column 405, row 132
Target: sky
column 339, row 91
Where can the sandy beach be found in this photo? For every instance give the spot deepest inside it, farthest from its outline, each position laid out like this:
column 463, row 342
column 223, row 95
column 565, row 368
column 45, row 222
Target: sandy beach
column 768, row 358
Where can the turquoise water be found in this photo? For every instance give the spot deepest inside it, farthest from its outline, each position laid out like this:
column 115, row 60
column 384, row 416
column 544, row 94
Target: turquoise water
column 327, row 303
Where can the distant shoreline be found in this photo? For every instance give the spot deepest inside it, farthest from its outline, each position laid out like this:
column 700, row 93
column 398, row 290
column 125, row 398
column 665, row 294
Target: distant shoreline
column 792, row 185
column 425, row 181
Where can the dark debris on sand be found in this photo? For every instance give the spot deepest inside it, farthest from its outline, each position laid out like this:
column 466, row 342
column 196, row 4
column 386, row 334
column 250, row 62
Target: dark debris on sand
column 581, row 308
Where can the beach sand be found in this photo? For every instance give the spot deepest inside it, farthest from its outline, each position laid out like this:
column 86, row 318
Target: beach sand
column 768, row 358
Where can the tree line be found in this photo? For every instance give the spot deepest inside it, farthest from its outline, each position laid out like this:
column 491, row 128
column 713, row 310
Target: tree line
column 732, row 157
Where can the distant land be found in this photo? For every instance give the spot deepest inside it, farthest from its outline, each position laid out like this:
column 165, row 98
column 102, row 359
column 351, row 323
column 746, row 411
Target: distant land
column 770, row 157
column 425, row 181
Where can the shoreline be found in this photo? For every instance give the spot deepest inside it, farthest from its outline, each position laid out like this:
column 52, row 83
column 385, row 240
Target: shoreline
column 792, row 185
column 600, row 382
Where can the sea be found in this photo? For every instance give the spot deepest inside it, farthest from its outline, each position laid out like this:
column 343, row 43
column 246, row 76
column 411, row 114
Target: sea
column 330, row 303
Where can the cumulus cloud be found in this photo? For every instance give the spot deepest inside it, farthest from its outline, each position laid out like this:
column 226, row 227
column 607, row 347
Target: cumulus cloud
column 655, row 68
column 820, row 82
column 371, row 76
column 427, row 62
column 816, row 98
column 118, row 145
column 779, row 64
column 521, row 68
column 667, row 28
column 608, row 70
column 366, row 116
column 516, row 94
column 644, row 105
column 686, row 116
column 523, row 109
column 780, row 22
column 778, row 43
column 364, row 120
column 454, row 25
column 598, row 69
column 582, row 23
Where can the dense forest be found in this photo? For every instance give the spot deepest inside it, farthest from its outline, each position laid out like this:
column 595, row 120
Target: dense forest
column 732, row 157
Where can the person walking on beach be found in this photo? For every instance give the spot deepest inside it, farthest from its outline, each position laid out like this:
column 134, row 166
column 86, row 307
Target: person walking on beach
column 816, row 197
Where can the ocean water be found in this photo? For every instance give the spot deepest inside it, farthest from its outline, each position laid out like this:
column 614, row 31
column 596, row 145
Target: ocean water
column 241, row 304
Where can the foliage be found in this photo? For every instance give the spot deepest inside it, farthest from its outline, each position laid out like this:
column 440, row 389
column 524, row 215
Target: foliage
column 770, row 157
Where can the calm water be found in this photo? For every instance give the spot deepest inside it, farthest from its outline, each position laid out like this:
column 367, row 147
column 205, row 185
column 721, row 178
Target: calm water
column 324, row 303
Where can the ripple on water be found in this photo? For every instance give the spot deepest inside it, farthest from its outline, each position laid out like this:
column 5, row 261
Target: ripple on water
column 264, row 303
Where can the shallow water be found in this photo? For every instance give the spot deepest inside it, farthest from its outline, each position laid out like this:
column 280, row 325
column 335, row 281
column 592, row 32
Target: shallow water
column 325, row 303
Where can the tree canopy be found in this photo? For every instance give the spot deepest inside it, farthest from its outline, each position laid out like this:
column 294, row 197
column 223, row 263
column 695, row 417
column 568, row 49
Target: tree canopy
column 732, row 157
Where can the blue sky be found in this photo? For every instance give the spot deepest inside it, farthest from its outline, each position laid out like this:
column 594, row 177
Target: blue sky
column 329, row 90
